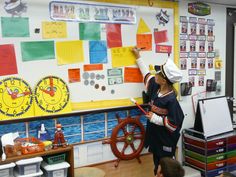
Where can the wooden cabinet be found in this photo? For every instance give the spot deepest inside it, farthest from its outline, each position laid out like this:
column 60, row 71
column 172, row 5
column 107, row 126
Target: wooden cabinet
column 211, row 156
column 67, row 150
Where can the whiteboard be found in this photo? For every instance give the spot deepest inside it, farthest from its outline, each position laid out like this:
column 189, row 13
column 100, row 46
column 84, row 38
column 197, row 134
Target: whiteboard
column 33, row 71
column 215, row 116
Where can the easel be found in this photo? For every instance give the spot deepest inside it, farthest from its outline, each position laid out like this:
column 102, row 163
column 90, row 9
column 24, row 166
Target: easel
column 213, row 116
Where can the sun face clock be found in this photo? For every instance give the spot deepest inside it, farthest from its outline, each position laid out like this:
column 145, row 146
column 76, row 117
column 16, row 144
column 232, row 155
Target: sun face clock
column 51, row 96
column 16, row 99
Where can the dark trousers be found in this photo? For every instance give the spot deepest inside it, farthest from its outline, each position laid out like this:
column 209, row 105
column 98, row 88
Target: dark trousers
column 156, row 160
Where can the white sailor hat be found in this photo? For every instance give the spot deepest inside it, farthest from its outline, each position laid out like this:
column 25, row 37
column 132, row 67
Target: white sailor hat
column 170, row 71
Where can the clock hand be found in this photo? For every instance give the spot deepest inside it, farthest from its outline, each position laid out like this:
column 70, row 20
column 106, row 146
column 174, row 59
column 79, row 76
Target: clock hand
column 12, row 94
column 9, row 91
column 23, row 94
column 51, row 87
column 46, row 91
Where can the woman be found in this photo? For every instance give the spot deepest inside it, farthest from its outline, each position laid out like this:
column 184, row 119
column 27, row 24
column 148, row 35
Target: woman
column 166, row 116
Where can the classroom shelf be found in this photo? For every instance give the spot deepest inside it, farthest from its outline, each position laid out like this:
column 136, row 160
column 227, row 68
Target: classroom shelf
column 67, row 150
column 211, row 155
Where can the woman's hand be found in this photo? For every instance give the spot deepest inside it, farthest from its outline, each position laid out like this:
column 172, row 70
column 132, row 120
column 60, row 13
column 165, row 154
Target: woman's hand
column 136, row 50
column 149, row 115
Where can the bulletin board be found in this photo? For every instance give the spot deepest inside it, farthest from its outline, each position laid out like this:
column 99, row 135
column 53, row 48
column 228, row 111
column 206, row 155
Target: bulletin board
column 92, row 57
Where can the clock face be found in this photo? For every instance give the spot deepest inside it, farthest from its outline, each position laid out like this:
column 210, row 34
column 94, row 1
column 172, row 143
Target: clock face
column 15, row 97
column 52, row 94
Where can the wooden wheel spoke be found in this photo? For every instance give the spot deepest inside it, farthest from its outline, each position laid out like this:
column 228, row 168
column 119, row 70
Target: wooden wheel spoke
column 121, row 139
column 124, row 148
column 124, row 130
column 133, row 128
column 138, row 136
column 132, row 146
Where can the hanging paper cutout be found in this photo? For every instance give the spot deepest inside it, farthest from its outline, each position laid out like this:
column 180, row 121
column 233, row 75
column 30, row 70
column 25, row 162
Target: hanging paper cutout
column 122, row 56
column 98, row 52
column 7, row 60
column 37, row 50
column 15, row 27
column 142, row 27
column 132, row 75
column 89, row 31
column 15, row 7
column 160, row 36
column 144, row 41
column 162, row 17
column 74, row 75
column 69, row 52
column 93, row 67
column 54, row 30
column 113, row 35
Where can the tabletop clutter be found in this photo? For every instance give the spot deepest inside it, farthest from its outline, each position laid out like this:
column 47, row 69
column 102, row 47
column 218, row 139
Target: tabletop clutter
column 49, row 166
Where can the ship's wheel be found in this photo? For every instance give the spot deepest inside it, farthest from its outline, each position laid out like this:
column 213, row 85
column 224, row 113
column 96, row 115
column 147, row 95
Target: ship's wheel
column 127, row 139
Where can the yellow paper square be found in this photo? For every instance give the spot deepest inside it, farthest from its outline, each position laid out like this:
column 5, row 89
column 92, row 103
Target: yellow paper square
column 122, row 56
column 54, row 30
column 68, row 52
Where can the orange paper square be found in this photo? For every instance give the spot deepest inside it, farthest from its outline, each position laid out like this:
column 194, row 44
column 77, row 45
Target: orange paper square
column 74, row 75
column 132, row 75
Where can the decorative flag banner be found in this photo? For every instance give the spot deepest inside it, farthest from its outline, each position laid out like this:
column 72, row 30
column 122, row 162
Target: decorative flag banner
column 160, row 36
column 132, row 75
column 122, row 56
column 142, row 27
column 15, row 27
column 163, row 49
column 98, row 52
column 89, row 31
column 54, row 30
column 69, row 52
column 144, row 41
column 93, row 67
column 7, row 60
column 74, row 75
column 90, row 12
column 114, row 38
column 37, row 50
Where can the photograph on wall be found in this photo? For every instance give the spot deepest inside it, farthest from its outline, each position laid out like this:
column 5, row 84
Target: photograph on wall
column 210, row 62
column 201, row 29
column 210, row 30
column 202, row 63
column 201, row 81
column 192, row 46
column 183, row 63
column 193, row 28
column 184, row 28
column 193, row 62
column 192, row 81
column 183, row 46
column 201, row 46
column 210, row 46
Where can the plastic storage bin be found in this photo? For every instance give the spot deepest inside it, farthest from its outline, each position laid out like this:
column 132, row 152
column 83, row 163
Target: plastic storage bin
column 29, row 166
column 55, row 158
column 39, row 174
column 55, row 170
column 6, row 170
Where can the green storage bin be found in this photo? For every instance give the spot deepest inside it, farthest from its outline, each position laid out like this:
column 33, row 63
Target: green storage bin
column 54, row 159
column 231, row 154
column 208, row 159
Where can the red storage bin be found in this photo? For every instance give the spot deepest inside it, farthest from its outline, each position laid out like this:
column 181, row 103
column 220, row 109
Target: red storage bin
column 203, row 143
